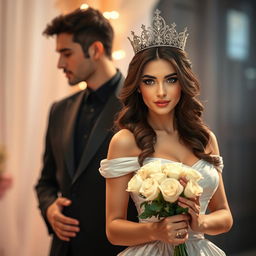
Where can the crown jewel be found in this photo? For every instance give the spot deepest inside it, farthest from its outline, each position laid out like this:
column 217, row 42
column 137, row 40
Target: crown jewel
column 160, row 34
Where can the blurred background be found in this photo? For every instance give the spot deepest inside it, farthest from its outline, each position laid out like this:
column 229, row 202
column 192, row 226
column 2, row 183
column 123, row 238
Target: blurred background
column 221, row 46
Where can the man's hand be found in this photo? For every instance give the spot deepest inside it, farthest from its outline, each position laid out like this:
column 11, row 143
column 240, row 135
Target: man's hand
column 63, row 226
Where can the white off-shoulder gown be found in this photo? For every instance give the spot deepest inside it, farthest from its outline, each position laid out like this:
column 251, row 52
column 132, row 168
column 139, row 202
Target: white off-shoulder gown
column 196, row 244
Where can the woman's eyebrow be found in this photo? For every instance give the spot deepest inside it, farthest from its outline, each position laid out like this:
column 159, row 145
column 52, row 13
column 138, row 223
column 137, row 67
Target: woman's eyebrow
column 172, row 74
column 153, row 77
column 148, row 76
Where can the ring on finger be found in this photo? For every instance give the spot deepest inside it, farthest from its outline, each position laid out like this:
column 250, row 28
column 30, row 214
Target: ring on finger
column 180, row 234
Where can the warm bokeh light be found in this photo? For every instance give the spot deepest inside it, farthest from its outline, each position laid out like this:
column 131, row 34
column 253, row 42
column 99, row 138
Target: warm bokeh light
column 118, row 55
column 84, row 6
column 111, row 15
column 82, row 85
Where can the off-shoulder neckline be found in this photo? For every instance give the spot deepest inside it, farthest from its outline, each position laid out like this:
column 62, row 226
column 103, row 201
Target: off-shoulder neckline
column 166, row 159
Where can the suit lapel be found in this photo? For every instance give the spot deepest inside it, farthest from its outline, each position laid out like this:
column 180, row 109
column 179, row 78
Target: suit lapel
column 100, row 130
column 72, row 109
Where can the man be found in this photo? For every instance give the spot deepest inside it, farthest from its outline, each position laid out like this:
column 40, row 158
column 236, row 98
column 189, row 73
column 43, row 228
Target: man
column 71, row 191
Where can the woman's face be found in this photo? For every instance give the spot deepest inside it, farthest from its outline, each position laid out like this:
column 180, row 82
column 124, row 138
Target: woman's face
column 160, row 87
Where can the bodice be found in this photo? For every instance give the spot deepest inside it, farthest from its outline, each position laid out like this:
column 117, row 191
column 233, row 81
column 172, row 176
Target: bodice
column 121, row 166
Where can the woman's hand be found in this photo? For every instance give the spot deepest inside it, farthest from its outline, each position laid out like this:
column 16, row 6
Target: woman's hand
column 193, row 206
column 173, row 230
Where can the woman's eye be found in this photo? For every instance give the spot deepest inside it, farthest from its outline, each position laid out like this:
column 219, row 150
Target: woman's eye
column 172, row 80
column 148, row 81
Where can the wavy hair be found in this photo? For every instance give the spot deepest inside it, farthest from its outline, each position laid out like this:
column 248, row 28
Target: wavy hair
column 86, row 26
column 133, row 116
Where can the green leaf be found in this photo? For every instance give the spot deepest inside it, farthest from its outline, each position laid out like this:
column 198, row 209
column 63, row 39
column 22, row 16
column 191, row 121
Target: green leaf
column 183, row 249
column 144, row 203
column 170, row 209
column 155, row 206
column 171, row 212
column 180, row 210
column 176, row 251
column 160, row 198
column 147, row 207
column 164, row 214
column 160, row 208
column 143, row 215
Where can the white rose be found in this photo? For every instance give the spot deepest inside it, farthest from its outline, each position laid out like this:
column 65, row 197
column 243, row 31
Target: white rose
column 173, row 170
column 191, row 174
column 171, row 189
column 159, row 177
column 192, row 189
column 134, row 184
column 149, row 189
column 150, row 168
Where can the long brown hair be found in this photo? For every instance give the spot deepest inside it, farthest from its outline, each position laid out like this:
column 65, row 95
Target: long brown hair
column 133, row 116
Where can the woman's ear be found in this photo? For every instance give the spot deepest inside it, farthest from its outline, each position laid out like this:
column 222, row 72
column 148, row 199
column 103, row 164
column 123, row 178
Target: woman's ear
column 96, row 50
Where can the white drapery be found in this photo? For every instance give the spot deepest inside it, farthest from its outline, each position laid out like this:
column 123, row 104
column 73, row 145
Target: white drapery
column 29, row 83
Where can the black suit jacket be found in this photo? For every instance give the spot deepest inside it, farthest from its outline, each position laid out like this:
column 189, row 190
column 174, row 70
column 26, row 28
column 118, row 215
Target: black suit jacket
column 86, row 188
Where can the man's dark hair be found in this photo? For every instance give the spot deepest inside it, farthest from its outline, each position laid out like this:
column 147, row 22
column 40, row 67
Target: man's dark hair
column 86, row 26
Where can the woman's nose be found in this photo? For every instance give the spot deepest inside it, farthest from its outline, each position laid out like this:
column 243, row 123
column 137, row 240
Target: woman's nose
column 161, row 90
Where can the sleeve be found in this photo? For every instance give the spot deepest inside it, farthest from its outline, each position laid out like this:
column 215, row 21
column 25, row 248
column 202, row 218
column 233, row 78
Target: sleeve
column 118, row 167
column 47, row 186
column 220, row 167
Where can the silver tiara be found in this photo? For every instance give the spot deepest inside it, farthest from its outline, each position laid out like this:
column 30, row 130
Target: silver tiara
column 159, row 34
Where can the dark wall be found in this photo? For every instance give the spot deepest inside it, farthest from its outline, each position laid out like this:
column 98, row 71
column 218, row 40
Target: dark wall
column 229, row 95
column 237, row 124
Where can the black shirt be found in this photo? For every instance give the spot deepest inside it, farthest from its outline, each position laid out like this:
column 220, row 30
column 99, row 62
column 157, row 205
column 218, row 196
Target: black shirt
column 90, row 109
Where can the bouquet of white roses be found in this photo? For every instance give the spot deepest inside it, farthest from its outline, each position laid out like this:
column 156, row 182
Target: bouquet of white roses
column 159, row 185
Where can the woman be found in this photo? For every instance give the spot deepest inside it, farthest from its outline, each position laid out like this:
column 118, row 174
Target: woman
column 161, row 119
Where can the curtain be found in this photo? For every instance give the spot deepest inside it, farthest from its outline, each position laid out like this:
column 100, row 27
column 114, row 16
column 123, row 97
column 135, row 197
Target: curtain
column 29, row 84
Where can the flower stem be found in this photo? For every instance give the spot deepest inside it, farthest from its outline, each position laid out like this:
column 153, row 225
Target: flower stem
column 180, row 250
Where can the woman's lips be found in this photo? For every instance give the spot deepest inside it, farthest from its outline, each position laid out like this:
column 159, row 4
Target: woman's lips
column 162, row 104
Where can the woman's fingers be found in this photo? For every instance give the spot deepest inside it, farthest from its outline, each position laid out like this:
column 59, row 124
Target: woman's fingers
column 193, row 204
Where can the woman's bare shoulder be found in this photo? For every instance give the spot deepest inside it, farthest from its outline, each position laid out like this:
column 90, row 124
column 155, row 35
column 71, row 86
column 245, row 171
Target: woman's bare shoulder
column 123, row 144
column 212, row 146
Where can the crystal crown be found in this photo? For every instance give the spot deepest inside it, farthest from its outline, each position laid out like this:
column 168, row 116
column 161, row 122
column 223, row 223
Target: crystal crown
column 160, row 34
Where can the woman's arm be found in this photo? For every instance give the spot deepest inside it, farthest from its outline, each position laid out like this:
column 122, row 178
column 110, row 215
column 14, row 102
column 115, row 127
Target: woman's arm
column 119, row 230
column 219, row 220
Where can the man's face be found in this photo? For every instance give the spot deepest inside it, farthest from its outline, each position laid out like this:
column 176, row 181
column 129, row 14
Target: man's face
column 72, row 60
